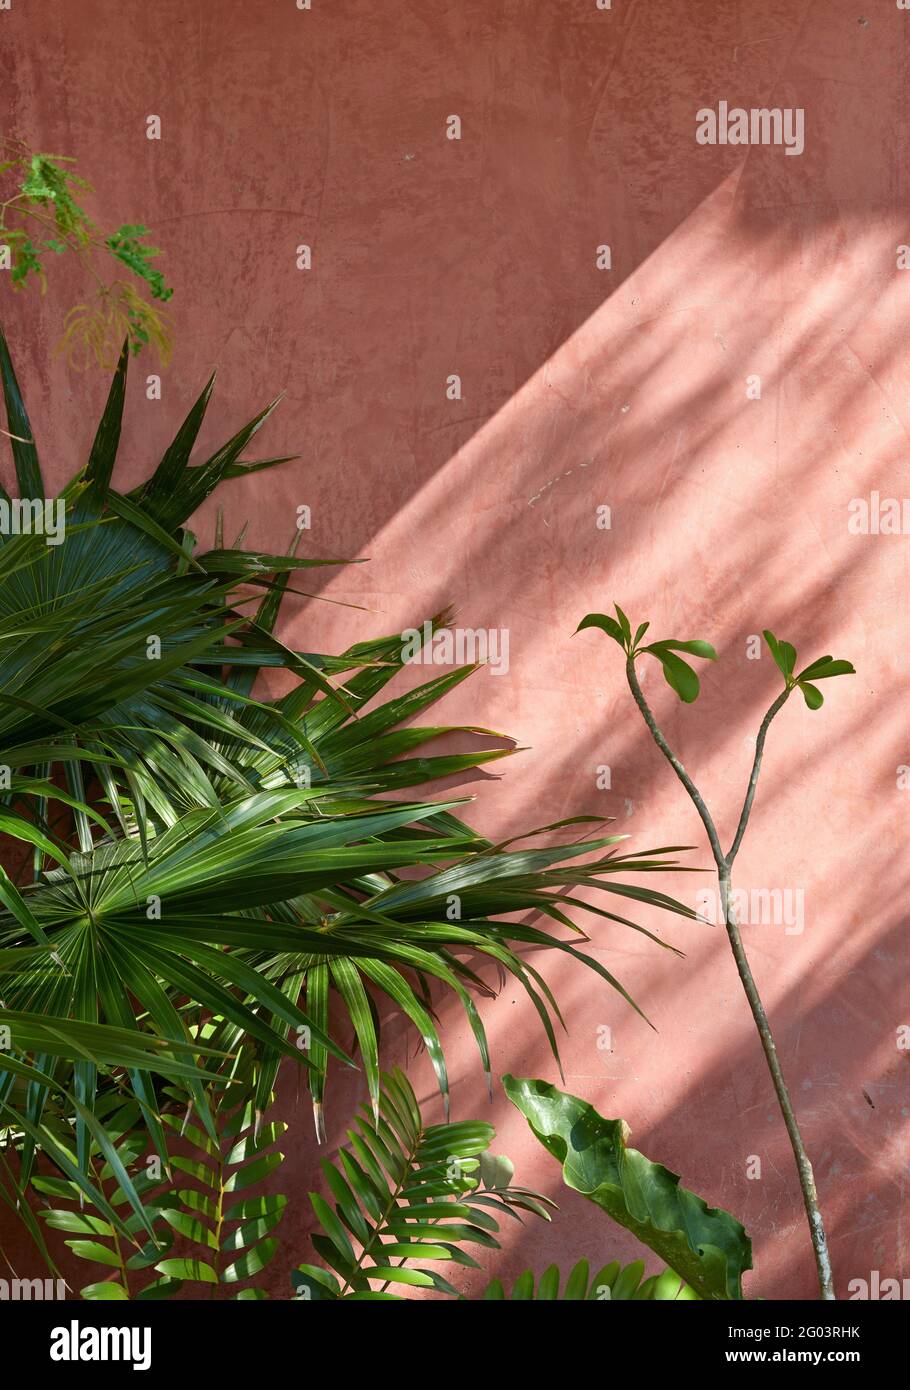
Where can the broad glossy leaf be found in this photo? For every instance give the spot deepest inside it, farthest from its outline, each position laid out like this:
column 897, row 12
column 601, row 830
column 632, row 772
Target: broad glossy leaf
column 198, row 1270
column 110, row 1291
column 706, row 1246
column 694, row 648
column 679, row 675
column 251, row 1262
column 94, row 1251
column 824, row 668
column 605, row 623
column 812, row 695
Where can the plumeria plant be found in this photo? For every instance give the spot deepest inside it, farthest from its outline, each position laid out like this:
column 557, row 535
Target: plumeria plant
column 682, row 678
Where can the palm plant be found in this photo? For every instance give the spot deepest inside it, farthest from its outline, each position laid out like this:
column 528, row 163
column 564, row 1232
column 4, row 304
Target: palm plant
column 192, row 855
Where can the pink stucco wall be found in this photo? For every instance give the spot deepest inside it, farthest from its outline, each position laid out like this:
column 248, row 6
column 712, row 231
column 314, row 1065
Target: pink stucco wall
column 581, row 387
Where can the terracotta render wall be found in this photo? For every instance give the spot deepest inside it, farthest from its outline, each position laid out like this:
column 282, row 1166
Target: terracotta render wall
column 581, row 388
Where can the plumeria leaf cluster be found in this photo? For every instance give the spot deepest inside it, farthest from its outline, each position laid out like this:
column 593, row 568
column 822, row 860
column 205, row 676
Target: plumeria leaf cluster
column 784, row 654
column 681, row 677
column 678, row 674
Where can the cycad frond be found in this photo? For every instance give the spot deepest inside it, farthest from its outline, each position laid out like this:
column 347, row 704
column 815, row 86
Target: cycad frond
column 613, row 1282
column 405, row 1195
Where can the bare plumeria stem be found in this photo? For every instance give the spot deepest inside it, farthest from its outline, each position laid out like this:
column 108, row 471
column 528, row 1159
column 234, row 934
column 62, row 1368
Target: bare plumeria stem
column 724, row 863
